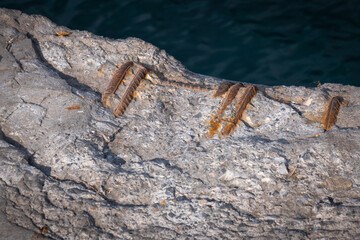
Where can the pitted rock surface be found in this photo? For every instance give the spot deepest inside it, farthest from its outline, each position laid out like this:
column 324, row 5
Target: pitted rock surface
column 153, row 173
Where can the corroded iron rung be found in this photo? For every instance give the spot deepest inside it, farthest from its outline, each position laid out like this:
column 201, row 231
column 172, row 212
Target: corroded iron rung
column 231, row 92
column 129, row 92
column 245, row 99
column 115, row 82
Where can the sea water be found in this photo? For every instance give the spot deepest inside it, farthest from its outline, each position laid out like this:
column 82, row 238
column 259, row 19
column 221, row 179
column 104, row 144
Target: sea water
column 272, row 42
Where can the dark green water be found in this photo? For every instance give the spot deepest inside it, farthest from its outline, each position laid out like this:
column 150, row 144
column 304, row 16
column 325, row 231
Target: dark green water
column 290, row 42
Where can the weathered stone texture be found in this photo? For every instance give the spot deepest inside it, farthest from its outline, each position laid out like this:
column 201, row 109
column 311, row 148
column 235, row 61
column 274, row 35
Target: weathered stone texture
column 154, row 173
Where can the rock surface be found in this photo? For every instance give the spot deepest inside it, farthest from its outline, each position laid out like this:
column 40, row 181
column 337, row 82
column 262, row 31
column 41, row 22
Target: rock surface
column 69, row 169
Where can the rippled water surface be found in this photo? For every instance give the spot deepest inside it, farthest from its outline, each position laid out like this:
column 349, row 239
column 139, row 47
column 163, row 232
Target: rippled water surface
column 286, row 42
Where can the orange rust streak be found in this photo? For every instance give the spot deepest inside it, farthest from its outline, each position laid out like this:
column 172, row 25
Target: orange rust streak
column 62, row 34
column 91, row 187
column 76, row 107
column 100, row 72
column 214, row 128
column 189, row 86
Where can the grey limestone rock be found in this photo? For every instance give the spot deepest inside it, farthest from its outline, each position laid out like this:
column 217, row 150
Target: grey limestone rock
column 69, row 169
